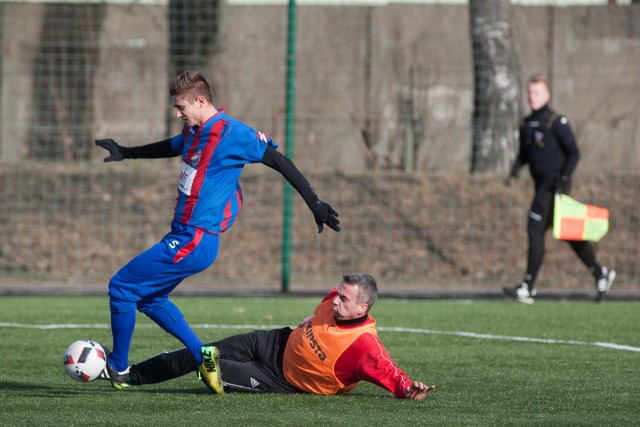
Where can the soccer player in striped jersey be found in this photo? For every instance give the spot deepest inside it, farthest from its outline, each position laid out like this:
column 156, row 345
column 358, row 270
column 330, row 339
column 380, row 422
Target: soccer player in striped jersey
column 214, row 149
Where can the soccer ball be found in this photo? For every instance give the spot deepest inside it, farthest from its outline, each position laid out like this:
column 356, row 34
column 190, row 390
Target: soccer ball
column 84, row 360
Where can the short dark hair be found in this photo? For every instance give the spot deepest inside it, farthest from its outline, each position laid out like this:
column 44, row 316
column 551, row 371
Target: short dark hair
column 189, row 85
column 367, row 287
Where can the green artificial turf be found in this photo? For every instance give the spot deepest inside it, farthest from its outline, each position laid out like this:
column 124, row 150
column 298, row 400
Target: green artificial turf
column 493, row 363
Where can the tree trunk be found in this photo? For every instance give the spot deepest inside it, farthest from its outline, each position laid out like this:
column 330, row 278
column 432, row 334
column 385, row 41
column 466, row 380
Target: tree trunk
column 64, row 78
column 497, row 86
column 194, row 30
column 194, row 27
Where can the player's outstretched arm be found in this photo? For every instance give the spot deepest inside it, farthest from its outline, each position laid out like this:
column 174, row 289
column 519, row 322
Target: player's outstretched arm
column 418, row 391
column 156, row 150
column 322, row 211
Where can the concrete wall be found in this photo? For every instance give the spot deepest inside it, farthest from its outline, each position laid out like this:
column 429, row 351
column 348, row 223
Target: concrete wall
column 358, row 67
column 131, row 94
column 21, row 29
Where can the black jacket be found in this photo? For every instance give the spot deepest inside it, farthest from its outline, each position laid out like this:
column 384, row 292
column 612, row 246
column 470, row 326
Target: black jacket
column 548, row 145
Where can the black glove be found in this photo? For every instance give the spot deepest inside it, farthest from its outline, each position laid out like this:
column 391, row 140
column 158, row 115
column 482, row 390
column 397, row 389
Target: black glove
column 563, row 184
column 116, row 153
column 325, row 214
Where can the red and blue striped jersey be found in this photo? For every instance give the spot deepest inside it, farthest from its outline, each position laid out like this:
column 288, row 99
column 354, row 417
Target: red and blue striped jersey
column 213, row 156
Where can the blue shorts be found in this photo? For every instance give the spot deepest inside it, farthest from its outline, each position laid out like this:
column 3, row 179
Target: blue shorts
column 149, row 278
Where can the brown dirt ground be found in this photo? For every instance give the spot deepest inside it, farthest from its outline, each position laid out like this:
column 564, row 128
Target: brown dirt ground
column 412, row 232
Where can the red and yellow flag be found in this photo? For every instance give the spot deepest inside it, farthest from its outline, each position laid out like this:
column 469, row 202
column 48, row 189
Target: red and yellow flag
column 573, row 220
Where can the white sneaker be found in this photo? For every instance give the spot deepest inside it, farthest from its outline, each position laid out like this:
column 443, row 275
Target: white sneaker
column 521, row 293
column 604, row 283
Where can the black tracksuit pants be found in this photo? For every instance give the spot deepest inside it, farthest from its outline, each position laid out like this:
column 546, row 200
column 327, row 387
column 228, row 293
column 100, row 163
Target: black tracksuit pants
column 248, row 362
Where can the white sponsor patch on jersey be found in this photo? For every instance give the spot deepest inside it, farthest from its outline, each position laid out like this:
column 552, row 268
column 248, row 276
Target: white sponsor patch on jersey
column 563, row 120
column 187, row 175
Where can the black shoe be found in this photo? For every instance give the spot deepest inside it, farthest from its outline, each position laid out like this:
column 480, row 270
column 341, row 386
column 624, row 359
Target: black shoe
column 119, row 380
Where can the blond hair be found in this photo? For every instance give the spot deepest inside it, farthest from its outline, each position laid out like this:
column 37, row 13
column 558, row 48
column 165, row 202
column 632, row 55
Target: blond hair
column 539, row 78
column 189, row 85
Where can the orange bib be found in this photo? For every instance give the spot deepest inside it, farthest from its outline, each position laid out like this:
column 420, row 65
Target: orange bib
column 312, row 351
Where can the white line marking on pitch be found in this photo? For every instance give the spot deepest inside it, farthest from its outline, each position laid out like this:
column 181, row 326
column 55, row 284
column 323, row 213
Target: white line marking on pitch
column 389, row 329
column 511, row 338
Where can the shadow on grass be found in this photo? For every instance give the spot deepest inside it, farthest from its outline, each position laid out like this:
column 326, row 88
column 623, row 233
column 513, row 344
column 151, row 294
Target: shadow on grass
column 43, row 390
column 103, row 388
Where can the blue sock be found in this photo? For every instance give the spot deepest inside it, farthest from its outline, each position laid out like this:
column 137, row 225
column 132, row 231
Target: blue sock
column 170, row 318
column 183, row 332
column 122, row 326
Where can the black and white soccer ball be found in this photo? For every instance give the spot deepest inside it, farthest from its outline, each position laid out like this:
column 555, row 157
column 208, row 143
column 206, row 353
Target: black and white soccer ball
column 84, row 360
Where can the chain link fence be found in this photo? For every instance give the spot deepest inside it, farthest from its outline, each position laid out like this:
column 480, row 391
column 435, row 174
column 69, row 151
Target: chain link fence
column 383, row 130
